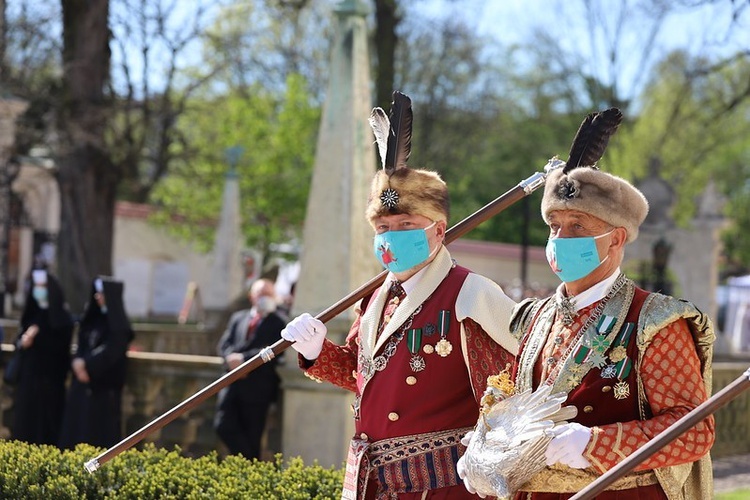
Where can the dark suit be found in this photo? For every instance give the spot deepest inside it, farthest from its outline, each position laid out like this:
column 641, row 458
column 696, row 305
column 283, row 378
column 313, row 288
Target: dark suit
column 243, row 406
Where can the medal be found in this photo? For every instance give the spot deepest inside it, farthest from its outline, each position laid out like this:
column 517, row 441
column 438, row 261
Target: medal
column 443, row 347
column 597, row 359
column 609, row 371
column 621, row 390
column 618, row 354
column 414, row 340
column 428, row 349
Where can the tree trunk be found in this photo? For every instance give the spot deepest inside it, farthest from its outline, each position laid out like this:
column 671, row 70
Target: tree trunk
column 385, row 48
column 88, row 180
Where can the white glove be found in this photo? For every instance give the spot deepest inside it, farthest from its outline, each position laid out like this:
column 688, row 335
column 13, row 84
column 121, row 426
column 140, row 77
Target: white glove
column 568, row 445
column 307, row 333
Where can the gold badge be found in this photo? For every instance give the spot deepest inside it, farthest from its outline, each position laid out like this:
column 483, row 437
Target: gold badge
column 618, row 354
column 428, row 348
column 621, row 390
column 443, row 347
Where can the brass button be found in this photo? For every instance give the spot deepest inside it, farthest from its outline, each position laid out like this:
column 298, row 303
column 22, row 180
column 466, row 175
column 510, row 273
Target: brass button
column 354, row 374
column 393, row 416
column 386, row 318
column 363, row 437
column 411, row 380
column 588, row 409
column 606, row 388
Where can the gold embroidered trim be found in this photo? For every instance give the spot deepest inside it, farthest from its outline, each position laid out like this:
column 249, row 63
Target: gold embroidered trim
column 561, row 479
column 618, row 441
column 589, row 455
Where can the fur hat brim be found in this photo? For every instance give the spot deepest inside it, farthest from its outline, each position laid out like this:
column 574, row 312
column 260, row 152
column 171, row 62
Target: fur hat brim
column 408, row 191
column 605, row 196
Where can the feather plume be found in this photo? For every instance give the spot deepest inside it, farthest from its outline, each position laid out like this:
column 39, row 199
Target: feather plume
column 592, row 138
column 399, row 139
column 381, row 127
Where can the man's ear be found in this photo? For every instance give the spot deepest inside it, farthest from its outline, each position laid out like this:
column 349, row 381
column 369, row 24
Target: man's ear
column 440, row 229
column 619, row 237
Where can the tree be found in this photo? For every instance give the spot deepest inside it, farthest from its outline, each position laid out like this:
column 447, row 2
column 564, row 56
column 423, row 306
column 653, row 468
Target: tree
column 277, row 136
column 110, row 129
column 386, row 39
column 87, row 177
column 696, row 130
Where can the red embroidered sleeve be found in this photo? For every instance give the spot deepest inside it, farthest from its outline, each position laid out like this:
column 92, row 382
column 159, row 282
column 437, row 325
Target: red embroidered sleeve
column 674, row 386
column 336, row 364
column 486, row 357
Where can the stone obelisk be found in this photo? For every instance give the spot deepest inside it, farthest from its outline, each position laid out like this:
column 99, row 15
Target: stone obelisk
column 337, row 242
column 226, row 279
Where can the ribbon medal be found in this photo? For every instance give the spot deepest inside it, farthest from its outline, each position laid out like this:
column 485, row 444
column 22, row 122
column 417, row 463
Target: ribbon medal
column 621, row 364
column 443, row 347
column 414, row 339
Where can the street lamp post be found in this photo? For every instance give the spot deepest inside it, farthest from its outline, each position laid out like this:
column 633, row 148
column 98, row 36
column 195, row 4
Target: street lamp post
column 661, row 251
column 7, row 175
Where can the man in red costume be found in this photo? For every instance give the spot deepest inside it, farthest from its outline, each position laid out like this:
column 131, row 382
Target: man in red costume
column 418, row 355
column 631, row 362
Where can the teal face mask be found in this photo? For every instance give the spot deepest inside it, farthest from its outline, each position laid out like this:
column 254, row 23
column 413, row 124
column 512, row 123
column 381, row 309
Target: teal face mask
column 40, row 295
column 399, row 251
column 573, row 258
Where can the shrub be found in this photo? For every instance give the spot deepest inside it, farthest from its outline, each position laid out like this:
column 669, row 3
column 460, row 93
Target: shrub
column 45, row 472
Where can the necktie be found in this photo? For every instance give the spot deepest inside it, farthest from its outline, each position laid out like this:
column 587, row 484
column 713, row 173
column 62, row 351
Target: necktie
column 252, row 325
column 395, row 295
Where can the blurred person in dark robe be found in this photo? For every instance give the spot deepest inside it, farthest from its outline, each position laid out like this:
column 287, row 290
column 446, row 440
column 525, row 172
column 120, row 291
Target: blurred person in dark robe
column 43, row 345
column 94, row 407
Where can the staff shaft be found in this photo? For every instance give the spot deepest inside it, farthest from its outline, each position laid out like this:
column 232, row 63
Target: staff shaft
column 671, row 433
column 493, row 208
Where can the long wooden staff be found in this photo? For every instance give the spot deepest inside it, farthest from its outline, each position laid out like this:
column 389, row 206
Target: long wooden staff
column 721, row 398
column 524, row 188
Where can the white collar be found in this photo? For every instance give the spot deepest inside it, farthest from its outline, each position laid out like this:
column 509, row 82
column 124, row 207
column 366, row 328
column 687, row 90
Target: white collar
column 590, row 295
column 412, row 282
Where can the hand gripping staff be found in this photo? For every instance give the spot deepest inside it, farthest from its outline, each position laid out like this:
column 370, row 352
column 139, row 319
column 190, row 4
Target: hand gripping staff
column 708, row 407
column 524, row 188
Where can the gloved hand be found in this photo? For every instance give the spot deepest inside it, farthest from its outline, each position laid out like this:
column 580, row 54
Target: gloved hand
column 461, row 468
column 568, row 445
column 307, row 333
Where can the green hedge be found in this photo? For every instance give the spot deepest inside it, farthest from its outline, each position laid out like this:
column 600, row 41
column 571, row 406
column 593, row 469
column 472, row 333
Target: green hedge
column 45, row 472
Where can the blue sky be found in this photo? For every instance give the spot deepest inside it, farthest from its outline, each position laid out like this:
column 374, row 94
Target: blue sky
column 701, row 31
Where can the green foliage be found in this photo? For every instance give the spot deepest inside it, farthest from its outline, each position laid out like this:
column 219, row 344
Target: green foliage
column 45, row 472
column 741, row 494
column 276, row 135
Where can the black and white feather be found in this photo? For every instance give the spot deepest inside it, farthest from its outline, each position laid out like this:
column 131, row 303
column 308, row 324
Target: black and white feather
column 592, row 138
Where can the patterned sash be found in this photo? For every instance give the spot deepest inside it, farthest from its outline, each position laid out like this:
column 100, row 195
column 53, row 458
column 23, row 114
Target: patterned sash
column 404, row 464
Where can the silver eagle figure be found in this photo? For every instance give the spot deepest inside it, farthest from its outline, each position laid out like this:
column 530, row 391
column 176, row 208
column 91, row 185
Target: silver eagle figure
column 508, row 443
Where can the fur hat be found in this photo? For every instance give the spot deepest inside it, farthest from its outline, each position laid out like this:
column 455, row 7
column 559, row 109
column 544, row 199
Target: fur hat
column 396, row 188
column 605, row 196
column 580, row 185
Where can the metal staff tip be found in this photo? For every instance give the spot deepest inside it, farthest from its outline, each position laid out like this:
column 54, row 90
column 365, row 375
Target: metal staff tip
column 92, row 465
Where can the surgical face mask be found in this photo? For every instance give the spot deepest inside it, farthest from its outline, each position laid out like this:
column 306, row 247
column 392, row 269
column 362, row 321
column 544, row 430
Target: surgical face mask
column 399, row 251
column 574, row 258
column 40, row 295
column 265, row 304
column 101, row 302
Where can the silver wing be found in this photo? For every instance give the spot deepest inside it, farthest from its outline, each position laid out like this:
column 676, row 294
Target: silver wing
column 509, row 440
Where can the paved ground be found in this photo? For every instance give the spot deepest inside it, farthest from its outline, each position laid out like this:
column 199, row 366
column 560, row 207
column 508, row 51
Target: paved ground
column 731, row 473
